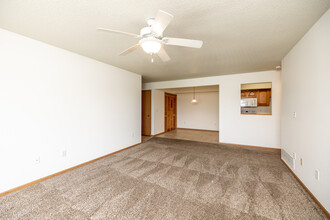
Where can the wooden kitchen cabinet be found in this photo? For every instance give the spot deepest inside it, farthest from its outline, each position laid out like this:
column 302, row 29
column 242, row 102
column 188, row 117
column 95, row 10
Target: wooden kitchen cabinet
column 252, row 93
column 264, row 97
column 249, row 93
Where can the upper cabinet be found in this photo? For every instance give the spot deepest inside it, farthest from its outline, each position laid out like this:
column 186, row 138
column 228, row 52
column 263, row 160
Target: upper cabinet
column 264, row 97
column 249, row 93
column 253, row 94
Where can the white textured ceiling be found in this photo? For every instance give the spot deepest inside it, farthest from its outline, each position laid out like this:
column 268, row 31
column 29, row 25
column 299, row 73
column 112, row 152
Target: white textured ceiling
column 239, row 36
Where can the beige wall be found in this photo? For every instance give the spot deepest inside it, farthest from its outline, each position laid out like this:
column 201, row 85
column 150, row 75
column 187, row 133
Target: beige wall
column 52, row 100
column 201, row 115
column 305, row 80
column 157, row 111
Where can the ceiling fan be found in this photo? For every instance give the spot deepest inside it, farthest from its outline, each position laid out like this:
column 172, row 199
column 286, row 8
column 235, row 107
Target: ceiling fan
column 152, row 40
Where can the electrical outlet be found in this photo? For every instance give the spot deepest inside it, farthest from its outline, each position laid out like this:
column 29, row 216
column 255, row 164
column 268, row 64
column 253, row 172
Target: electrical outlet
column 37, row 160
column 64, row 153
column 301, row 162
column 294, row 114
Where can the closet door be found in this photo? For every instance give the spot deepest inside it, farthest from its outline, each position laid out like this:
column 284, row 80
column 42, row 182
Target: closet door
column 146, row 112
column 170, row 112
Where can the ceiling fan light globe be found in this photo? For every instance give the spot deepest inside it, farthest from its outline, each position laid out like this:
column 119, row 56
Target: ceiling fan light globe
column 150, row 45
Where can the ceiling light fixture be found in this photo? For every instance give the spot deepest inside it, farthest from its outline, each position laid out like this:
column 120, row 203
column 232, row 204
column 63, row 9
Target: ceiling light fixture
column 194, row 100
column 150, row 45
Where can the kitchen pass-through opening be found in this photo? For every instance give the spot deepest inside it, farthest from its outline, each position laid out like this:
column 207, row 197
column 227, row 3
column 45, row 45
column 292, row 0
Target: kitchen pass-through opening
column 256, row 98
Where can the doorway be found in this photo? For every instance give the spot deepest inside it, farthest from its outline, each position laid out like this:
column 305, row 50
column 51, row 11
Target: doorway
column 170, row 112
column 195, row 113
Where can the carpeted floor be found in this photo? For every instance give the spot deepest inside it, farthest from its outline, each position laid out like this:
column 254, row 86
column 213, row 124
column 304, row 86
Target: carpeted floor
column 169, row 179
column 192, row 135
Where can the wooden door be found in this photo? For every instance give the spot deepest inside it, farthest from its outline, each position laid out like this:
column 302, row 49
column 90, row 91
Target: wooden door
column 170, row 112
column 146, row 112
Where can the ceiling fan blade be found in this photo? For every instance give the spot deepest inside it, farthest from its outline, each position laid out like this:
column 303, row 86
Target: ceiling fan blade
column 118, row 32
column 161, row 21
column 130, row 50
column 183, row 42
column 163, row 55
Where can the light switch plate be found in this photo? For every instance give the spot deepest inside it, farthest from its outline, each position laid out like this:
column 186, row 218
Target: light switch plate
column 317, row 174
column 37, row 160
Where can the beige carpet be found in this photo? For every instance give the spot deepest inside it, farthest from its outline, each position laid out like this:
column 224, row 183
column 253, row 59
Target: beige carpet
column 169, row 179
column 192, row 135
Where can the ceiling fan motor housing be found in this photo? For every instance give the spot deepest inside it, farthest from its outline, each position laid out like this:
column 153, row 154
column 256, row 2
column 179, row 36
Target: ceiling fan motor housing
column 150, row 21
column 147, row 32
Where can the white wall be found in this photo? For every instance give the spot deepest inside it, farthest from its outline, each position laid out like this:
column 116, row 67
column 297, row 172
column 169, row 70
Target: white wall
column 201, row 115
column 257, row 130
column 306, row 78
column 53, row 100
column 157, row 112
